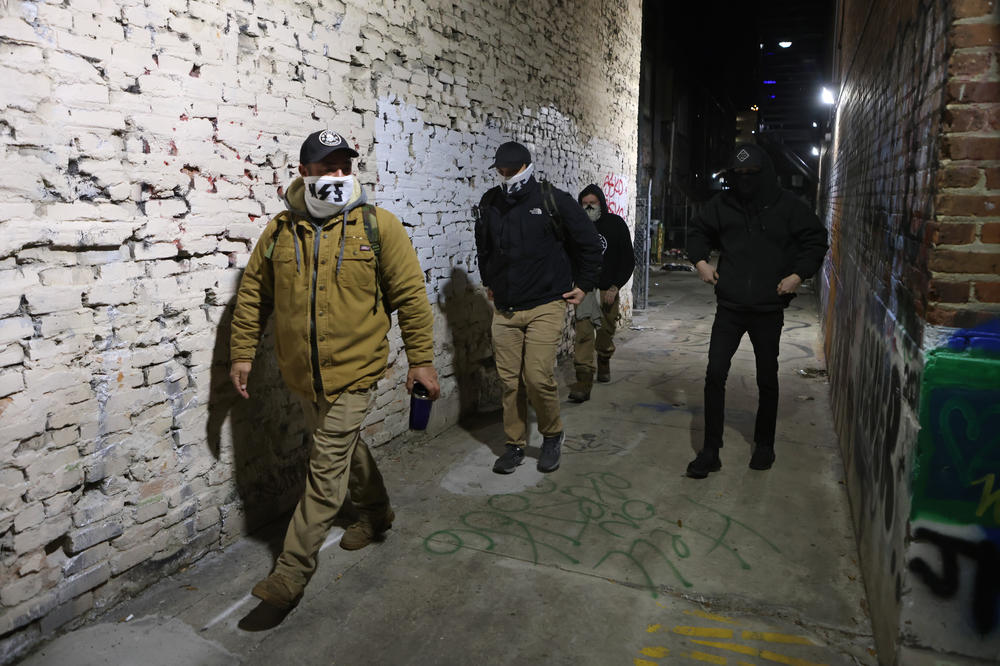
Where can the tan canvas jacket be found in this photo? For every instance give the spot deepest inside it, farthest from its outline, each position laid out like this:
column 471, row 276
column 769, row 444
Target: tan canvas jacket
column 350, row 325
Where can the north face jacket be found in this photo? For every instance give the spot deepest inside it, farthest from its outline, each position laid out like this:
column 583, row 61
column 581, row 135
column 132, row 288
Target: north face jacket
column 528, row 258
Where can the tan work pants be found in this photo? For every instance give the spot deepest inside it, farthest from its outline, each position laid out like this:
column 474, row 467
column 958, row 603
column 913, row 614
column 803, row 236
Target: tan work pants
column 525, row 344
column 339, row 461
column 586, row 342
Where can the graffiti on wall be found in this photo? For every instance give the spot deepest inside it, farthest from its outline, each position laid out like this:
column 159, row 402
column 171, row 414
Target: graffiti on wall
column 955, row 509
column 616, row 192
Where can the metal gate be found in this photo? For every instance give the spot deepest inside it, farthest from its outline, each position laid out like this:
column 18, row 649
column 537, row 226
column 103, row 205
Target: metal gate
column 640, row 277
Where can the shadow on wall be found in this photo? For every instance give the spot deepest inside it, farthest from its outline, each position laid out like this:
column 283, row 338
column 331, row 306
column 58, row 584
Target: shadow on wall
column 470, row 316
column 261, row 441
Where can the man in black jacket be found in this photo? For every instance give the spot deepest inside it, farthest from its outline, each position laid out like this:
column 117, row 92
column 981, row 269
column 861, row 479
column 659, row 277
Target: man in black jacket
column 537, row 251
column 770, row 242
column 619, row 261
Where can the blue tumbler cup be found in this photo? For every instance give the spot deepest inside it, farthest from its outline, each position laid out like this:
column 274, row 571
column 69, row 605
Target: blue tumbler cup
column 420, row 407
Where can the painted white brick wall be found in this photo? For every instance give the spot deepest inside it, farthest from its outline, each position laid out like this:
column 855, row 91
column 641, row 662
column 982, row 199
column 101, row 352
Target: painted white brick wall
column 143, row 148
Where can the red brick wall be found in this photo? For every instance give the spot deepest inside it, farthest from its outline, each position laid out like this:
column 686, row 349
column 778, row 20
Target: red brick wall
column 878, row 201
column 911, row 194
column 964, row 261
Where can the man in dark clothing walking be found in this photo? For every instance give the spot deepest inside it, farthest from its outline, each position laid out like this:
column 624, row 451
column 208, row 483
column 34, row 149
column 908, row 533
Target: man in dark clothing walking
column 770, row 242
column 601, row 309
column 537, row 252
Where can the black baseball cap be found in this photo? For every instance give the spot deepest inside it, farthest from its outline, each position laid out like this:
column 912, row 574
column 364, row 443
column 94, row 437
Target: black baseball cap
column 747, row 156
column 510, row 155
column 321, row 143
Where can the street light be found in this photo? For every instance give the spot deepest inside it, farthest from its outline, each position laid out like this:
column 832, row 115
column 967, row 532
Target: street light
column 784, row 45
column 827, row 96
column 815, row 151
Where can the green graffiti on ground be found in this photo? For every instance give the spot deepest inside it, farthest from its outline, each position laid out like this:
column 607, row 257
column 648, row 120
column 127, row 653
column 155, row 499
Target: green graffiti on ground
column 957, row 465
column 594, row 521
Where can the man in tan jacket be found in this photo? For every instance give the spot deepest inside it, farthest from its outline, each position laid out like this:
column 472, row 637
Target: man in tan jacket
column 331, row 268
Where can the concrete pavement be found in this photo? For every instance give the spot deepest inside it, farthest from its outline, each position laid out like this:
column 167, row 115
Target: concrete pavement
column 616, row 558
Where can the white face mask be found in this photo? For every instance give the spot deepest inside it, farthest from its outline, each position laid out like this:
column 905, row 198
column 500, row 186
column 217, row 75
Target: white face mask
column 593, row 211
column 327, row 195
column 514, row 183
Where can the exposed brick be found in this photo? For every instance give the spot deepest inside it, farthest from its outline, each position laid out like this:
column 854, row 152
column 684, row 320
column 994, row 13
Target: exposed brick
column 966, row 35
column 988, row 292
column 89, row 536
column 990, row 232
column 959, row 318
column 973, row 8
column 957, row 261
column 965, row 119
column 945, row 233
column 967, row 65
column 968, row 92
column 948, row 292
column 60, row 615
column 963, row 176
column 968, row 204
column 80, row 583
column 971, row 147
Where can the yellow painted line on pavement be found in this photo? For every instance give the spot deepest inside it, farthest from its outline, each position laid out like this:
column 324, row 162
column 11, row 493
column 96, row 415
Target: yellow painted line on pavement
column 732, row 647
column 776, row 638
column 709, row 616
column 790, row 661
column 710, row 658
column 643, row 662
column 653, row 628
column 707, row 632
column 657, row 651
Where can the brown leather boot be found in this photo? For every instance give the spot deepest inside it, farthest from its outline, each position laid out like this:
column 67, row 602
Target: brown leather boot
column 363, row 531
column 604, row 369
column 580, row 390
column 278, row 591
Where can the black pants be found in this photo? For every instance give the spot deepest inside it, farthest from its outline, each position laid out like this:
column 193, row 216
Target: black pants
column 727, row 331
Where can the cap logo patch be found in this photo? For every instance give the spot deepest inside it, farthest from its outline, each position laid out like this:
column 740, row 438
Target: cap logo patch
column 742, row 156
column 328, row 138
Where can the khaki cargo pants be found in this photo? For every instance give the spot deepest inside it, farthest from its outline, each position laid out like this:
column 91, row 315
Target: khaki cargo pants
column 525, row 344
column 339, row 461
column 587, row 342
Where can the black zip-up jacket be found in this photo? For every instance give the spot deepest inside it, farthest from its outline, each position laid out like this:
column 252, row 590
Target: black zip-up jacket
column 619, row 256
column 521, row 258
column 763, row 239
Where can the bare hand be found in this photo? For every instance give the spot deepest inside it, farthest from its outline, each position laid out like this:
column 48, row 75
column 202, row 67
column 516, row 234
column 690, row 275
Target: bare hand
column 575, row 297
column 608, row 295
column 789, row 284
column 426, row 375
column 489, row 293
column 239, row 371
column 706, row 272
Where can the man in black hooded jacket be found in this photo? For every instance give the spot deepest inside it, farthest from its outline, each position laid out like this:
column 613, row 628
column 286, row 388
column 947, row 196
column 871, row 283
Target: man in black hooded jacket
column 770, row 242
column 537, row 252
column 616, row 270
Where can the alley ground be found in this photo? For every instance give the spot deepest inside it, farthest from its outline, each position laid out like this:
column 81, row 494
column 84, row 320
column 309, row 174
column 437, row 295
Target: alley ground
column 616, row 558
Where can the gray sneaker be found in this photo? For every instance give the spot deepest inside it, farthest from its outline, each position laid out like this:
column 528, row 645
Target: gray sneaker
column 551, row 451
column 511, row 458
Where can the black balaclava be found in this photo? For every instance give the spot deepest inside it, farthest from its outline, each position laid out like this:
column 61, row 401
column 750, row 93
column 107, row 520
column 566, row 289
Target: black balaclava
column 760, row 187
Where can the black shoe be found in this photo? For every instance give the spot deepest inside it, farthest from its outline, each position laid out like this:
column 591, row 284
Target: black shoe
column 579, row 395
column 511, row 458
column 551, row 451
column 707, row 461
column 604, row 369
column 762, row 458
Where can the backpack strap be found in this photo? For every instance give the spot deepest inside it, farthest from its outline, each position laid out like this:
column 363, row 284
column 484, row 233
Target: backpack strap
column 374, row 239
column 549, row 201
column 274, row 237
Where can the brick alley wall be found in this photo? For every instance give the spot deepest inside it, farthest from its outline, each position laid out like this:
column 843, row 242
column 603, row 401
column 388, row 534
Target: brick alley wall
column 143, row 147
column 910, row 195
